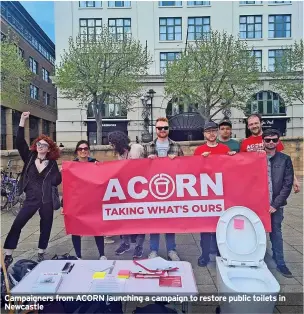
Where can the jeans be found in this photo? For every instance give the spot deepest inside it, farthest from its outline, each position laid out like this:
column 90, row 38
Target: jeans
column 46, row 212
column 77, row 245
column 206, row 240
column 170, row 242
column 276, row 236
column 140, row 239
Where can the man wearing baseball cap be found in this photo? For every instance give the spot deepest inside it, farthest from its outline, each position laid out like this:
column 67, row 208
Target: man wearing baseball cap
column 225, row 131
column 211, row 147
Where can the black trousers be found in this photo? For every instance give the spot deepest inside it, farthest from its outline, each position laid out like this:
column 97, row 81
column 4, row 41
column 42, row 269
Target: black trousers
column 77, row 245
column 206, row 239
column 46, row 212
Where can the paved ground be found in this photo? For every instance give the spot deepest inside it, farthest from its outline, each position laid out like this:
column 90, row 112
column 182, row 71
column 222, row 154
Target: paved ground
column 187, row 246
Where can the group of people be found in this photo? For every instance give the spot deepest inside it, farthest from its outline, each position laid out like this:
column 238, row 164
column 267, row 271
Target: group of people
column 41, row 173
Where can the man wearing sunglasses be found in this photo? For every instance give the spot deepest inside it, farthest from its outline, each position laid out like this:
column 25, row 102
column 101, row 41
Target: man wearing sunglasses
column 163, row 146
column 280, row 181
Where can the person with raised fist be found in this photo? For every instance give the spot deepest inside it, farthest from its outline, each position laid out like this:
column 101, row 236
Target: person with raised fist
column 39, row 175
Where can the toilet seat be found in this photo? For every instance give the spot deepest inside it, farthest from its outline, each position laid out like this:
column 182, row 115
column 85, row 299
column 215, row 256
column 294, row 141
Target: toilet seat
column 241, row 237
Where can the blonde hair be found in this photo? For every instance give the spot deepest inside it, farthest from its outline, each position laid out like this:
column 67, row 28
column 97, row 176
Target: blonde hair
column 161, row 119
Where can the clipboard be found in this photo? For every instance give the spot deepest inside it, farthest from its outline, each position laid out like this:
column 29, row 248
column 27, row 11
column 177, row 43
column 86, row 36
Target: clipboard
column 156, row 271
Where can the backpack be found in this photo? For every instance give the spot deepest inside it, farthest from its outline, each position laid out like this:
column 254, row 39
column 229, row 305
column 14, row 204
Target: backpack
column 154, row 308
column 22, row 268
column 65, row 256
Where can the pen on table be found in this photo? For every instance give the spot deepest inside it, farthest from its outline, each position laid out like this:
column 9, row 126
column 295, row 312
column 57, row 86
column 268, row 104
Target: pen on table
column 71, row 268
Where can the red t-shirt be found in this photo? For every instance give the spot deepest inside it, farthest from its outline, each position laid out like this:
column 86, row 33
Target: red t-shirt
column 255, row 143
column 220, row 149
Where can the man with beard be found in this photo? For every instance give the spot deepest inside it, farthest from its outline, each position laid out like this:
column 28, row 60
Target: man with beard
column 163, row 146
column 211, row 147
column 225, row 131
column 254, row 143
column 280, row 180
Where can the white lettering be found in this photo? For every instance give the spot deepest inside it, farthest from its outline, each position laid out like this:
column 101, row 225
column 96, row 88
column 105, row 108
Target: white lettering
column 185, row 181
column 131, row 186
column 216, row 187
column 114, row 189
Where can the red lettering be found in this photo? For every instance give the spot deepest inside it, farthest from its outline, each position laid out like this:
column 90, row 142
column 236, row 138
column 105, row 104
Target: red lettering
column 114, row 211
column 211, row 208
column 140, row 210
column 153, row 210
column 219, row 207
column 108, row 211
column 185, row 209
column 122, row 211
column 170, row 210
column 195, row 208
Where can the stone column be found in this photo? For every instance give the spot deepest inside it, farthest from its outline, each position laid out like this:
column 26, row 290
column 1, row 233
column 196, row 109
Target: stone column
column 27, row 131
column 9, row 128
column 52, row 129
column 40, row 131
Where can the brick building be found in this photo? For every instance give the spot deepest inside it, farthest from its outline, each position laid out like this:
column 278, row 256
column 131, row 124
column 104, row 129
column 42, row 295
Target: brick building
column 39, row 52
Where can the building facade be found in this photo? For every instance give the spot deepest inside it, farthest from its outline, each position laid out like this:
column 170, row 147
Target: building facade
column 39, row 52
column 165, row 27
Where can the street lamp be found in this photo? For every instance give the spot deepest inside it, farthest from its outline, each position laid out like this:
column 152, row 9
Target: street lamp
column 147, row 101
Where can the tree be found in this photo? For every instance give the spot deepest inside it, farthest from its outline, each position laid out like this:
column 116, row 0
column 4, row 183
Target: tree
column 215, row 73
column 288, row 73
column 100, row 70
column 15, row 74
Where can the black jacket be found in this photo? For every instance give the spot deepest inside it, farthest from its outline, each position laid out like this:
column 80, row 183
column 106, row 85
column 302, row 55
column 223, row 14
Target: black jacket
column 52, row 178
column 90, row 159
column 282, row 176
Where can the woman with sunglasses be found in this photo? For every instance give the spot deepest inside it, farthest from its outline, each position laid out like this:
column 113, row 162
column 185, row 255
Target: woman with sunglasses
column 121, row 145
column 82, row 152
column 40, row 173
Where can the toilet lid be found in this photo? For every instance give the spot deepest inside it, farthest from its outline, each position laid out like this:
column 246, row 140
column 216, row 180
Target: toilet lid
column 241, row 237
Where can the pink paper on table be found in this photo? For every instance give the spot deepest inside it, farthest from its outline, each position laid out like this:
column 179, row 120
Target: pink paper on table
column 238, row 223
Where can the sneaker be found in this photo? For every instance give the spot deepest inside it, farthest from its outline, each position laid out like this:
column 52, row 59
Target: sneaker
column 138, row 252
column 108, row 240
column 79, row 258
column 102, row 258
column 284, row 271
column 153, row 254
column 122, row 249
column 8, row 259
column 40, row 257
column 202, row 262
column 172, row 256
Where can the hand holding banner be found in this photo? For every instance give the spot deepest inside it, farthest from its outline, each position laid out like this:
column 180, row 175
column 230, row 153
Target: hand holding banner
column 187, row 194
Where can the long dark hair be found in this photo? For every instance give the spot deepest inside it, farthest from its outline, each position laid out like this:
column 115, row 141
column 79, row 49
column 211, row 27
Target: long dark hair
column 120, row 141
column 80, row 143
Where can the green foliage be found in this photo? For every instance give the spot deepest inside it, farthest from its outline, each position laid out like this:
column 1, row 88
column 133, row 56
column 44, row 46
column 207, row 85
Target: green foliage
column 101, row 69
column 15, row 74
column 217, row 72
column 289, row 73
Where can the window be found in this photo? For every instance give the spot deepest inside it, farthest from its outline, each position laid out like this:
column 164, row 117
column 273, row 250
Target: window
column 250, row 26
column 46, row 127
column 120, row 28
column 258, row 57
column 20, row 52
column 34, row 92
column 3, row 128
column 279, row 26
column 111, row 109
column 265, row 103
column 194, row 3
column 34, row 128
column 167, row 58
column 198, row 27
column 170, row 3
column 170, row 28
column 46, row 98
column 16, row 115
column 90, row 28
column 251, row 2
column 33, row 65
column 274, row 59
column 90, row 4
column 119, row 4
column 45, row 75
column 279, row 2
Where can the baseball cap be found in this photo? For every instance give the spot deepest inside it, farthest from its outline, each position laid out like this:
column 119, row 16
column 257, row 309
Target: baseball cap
column 225, row 122
column 210, row 125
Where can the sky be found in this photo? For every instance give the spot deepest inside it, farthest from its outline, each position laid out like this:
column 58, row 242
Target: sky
column 43, row 13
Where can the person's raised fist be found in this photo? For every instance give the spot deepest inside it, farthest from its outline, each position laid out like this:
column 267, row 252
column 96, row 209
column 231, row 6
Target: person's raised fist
column 25, row 115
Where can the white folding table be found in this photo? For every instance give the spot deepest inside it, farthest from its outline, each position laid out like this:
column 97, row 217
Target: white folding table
column 79, row 280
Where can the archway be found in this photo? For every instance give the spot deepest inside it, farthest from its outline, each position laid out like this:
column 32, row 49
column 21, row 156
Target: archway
column 186, row 124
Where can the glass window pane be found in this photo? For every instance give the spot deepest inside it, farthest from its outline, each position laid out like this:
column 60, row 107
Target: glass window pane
column 243, row 19
column 178, row 21
column 250, row 19
column 162, row 22
column 91, row 22
column 190, row 21
column 178, row 37
column 170, row 21
column 98, row 22
column 112, row 22
column 162, row 36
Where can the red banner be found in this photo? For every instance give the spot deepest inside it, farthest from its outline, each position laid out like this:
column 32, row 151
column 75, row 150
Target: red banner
column 187, row 194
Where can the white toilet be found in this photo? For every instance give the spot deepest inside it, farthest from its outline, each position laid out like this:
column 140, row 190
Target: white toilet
column 241, row 240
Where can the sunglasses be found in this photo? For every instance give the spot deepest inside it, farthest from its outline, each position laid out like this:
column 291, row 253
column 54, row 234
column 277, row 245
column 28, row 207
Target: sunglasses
column 42, row 145
column 80, row 149
column 160, row 128
column 268, row 140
